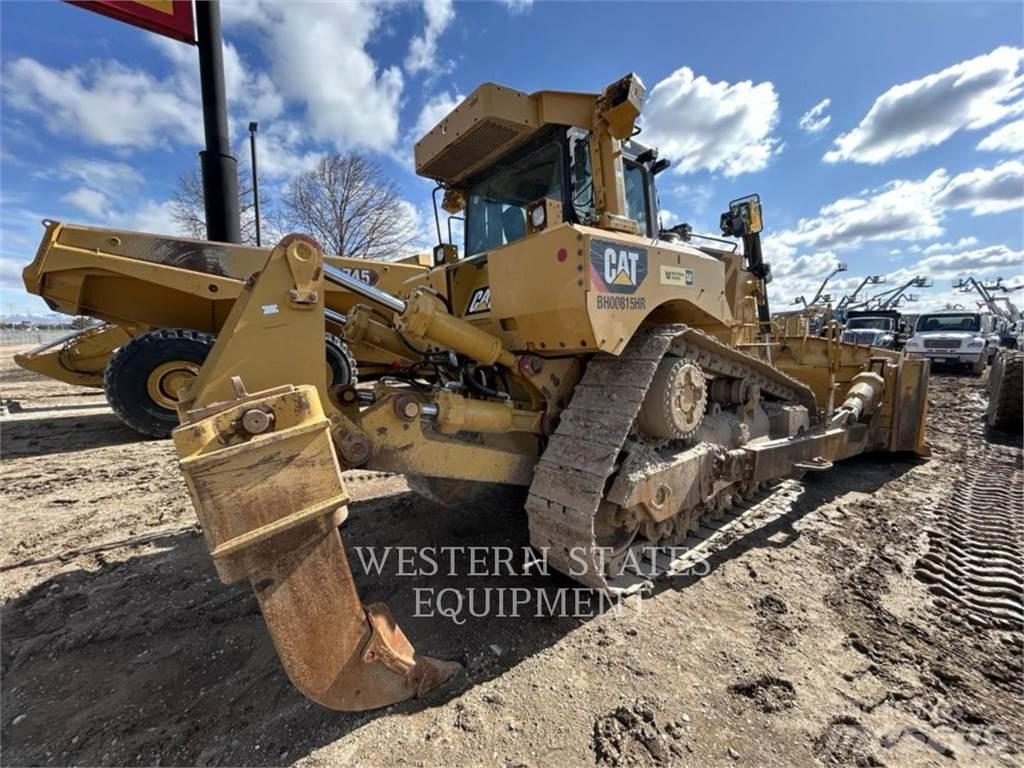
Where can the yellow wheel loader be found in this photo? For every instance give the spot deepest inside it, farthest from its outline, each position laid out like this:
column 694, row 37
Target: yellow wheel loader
column 161, row 301
column 627, row 380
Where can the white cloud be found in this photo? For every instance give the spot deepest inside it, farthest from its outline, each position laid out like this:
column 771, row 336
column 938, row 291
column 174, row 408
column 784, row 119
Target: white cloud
column 815, row 120
column 984, row 263
column 251, row 94
column 709, row 126
column 910, row 211
column 980, row 261
column 431, row 113
column 319, row 59
column 424, row 228
column 922, row 113
column 10, row 274
column 901, row 210
column 1008, row 138
column 423, row 47
column 960, row 245
column 150, row 216
column 110, row 178
column 986, row 190
column 89, row 201
column 803, row 275
column 518, row 6
column 282, row 152
column 112, row 105
column 103, row 103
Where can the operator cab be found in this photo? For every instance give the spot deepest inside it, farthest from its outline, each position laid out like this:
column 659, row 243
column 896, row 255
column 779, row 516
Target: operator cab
column 501, row 201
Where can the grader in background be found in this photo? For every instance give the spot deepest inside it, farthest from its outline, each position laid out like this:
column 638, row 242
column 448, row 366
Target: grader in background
column 625, row 377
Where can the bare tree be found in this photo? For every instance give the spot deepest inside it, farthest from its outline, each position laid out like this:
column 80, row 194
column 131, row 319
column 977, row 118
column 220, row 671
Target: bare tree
column 350, row 208
column 189, row 212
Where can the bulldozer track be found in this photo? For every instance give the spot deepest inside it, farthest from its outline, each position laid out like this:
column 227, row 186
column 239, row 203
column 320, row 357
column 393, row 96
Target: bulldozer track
column 582, row 456
column 974, row 564
column 709, row 533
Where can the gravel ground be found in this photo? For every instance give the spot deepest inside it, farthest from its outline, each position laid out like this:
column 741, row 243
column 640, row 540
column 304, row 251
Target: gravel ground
column 870, row 615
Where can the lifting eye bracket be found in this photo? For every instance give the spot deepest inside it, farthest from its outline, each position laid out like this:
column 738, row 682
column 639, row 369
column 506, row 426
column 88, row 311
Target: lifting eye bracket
column 304, row 264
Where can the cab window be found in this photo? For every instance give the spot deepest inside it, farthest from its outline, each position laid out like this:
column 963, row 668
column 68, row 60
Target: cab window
column 496, row 204
column 636, row 194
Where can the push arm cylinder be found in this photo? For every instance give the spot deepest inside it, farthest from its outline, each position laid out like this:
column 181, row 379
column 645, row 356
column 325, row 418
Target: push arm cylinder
column 455, row 413
column 424, row 317
column 362, row 328
column 367, row 291
column 336, row 317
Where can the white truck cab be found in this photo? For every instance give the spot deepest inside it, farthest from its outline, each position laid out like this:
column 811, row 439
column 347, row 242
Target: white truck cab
column 879, row 329
column 955, row 337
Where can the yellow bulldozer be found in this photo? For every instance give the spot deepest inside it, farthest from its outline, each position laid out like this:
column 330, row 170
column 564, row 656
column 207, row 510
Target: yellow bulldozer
column 629, row 380
column 161, row 301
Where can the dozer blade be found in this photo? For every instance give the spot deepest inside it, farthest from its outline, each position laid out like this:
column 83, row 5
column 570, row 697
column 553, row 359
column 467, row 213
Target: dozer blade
column 267, row 489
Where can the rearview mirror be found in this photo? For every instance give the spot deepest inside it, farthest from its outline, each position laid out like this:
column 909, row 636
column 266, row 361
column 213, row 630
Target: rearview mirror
column 743, row 217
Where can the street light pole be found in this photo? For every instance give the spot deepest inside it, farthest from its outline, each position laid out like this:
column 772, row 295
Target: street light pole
column 255, row 179
column 220, row 172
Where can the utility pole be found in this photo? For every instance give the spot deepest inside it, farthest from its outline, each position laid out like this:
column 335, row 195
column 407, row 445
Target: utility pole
column 255, row 179
column 220, row 171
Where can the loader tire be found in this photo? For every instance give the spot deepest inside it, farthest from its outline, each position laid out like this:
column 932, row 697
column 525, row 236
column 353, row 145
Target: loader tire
column 450, row 493
column 1005, row 411
column 143, row 377
column 341, row 364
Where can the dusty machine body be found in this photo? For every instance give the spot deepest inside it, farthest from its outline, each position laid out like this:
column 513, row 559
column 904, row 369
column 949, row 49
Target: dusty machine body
column 172, row 295
column 629, row 380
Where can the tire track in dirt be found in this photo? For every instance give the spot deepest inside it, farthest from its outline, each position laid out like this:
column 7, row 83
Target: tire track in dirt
column 928, row 572
column 974, row 564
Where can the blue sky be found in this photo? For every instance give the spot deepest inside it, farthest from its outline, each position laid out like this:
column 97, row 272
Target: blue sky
column 914, row 165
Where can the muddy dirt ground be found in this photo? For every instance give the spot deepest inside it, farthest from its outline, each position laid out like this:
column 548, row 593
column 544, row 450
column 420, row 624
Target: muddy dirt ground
column 870, row 615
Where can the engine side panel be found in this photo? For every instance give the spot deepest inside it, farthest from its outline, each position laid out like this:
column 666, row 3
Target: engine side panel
column 575, row 290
